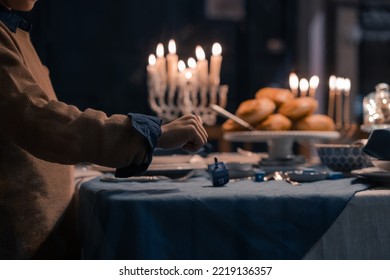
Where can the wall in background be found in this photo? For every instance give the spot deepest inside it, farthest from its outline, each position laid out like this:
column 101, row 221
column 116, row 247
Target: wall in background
column 97, row 50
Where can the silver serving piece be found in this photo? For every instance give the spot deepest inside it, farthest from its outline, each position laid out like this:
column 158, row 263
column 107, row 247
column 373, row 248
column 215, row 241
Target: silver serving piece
column 376, row 108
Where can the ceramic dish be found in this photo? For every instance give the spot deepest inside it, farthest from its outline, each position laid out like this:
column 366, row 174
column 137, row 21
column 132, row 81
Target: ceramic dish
column 373, row 173
column 382, row 164
column 343, row 157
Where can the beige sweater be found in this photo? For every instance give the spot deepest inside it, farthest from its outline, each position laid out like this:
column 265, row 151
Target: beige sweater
column 40, row 140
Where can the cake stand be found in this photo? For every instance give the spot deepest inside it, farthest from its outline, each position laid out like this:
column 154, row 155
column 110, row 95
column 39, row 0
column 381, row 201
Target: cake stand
column 280, row 143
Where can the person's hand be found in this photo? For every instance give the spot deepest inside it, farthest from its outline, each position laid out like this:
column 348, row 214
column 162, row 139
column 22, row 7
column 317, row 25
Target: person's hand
column 186, row 132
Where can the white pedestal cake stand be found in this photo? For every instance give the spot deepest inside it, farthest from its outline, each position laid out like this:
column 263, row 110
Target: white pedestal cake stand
column 280, row 143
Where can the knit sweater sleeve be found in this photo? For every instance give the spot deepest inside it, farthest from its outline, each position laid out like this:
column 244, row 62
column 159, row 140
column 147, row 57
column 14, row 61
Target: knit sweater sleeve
column 57, row 132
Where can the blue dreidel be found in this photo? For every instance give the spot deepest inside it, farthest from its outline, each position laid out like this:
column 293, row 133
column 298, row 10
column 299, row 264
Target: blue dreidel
column 219, row 173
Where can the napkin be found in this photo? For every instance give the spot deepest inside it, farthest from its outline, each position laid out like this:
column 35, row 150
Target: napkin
column 378, row 144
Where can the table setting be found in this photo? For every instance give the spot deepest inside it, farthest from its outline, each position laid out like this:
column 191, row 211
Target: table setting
column 195, row 220
column 247, row 204
column 177, row 210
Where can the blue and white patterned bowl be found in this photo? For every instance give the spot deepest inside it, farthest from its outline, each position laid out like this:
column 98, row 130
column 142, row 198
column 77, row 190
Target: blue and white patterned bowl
column 343, row 157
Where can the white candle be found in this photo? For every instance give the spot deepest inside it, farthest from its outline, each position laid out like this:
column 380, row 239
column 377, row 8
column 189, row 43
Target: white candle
column 152, row 71
column 202, row 66
column 191, row 62
column 332, row 89
column 347, row 90
column 181, row 67
column 188, row 76
column 192, row 66
column 294, row 83
column 215, row 65
column 339, row 101
column 172, row 60
column 303, row 86
column 313, row 85
column 161, row 63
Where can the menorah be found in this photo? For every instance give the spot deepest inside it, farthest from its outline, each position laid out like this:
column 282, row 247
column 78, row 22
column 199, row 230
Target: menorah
column 170, row 103
column 176, row 90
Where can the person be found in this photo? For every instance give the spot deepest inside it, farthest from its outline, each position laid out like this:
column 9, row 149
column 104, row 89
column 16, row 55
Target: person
column 42, row 139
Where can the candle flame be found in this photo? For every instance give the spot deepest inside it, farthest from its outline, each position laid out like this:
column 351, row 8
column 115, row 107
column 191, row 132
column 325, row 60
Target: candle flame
column 152, row 59
column 160, row 50
column 200, row 54
column 347, row 86
column 314, row 82
column 191, row 63
column 332, row 82
column 303, row 85
column 181, row 66
column 188, row 75
column 340, row 83
column 216, row 49
column 172, row 47
column 294, row 81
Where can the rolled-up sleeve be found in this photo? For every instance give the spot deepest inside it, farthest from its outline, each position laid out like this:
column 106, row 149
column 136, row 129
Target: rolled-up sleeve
column 150, row 128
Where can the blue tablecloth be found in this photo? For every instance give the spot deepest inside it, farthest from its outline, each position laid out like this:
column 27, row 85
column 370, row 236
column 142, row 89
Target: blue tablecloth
column 192, row 220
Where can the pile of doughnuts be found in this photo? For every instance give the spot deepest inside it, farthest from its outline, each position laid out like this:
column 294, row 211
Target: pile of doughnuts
column 277, row 109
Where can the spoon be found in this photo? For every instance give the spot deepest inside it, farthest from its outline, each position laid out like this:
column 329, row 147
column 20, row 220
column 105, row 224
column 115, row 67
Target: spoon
column 280, row 176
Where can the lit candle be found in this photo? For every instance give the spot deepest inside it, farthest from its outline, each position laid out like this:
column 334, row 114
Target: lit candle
column 313, row 85
column 161, row 63
column 294, row 84
column 303, row 86
column 202, row 66
column 215, row 64
column 182, row 69
column 347, row 90
column 188, row 76
column 339, row 101
column 172, row 60
column 332, row 89
column 152, row 71
column 191, row 62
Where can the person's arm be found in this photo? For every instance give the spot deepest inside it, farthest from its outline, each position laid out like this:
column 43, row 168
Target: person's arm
column 186, row 132
column 55, row 131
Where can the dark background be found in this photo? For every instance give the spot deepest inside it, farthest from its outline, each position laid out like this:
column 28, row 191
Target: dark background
column 97, row 51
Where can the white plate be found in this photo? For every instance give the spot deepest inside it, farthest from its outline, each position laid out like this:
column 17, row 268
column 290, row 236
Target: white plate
column 251, row 158
column 263, row 135
column 382, row 164
column 175, row 159
column 280, row 143
column 167, row 169
column 373, row 173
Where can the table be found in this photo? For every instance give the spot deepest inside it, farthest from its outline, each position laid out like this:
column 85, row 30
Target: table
column 244, row 220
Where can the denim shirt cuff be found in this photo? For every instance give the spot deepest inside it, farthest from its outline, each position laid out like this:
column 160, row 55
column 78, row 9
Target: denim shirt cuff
column 150, row 128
